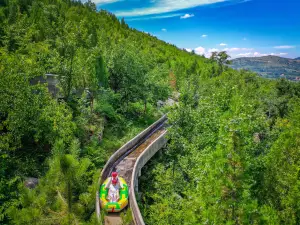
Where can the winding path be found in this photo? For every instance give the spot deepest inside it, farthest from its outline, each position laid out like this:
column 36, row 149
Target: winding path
column 128, row 162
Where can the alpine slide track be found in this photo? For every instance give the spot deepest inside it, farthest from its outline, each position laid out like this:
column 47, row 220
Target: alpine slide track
column 128, row 161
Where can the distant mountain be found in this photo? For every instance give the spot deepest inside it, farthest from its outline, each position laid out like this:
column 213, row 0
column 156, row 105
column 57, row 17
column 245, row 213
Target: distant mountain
column 297, row 58
column 269, row 66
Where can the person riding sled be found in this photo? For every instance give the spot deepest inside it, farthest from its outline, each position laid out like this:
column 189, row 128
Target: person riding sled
column 114, row 194
column 113, row 186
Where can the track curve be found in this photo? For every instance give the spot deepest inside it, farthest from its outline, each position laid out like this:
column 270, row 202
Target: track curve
column 123, row 161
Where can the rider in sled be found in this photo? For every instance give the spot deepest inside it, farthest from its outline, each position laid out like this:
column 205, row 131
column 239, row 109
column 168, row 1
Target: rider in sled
column 114, row 186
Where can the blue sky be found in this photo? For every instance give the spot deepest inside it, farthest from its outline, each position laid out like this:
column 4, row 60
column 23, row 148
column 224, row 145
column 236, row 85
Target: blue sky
column 241, row 27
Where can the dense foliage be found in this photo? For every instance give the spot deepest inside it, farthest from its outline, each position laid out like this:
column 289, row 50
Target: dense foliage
column 234, row 151
column 109, row 78
column 233, row 156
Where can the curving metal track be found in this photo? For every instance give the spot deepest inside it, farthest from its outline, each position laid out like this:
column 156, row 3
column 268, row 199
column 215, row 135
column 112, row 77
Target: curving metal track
column 124, row 162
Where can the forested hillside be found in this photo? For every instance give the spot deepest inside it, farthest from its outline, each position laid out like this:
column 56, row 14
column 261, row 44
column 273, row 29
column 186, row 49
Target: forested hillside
column 110, row 78
column 233, row 156
column 234, row 151
column 269, row 66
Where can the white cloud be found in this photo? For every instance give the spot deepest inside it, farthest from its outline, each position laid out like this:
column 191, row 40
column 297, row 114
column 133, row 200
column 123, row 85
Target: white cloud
column 188, row 49
column 154, row 17
column 258, row 54
column 246, row 49
column 164, row 30
column 230, row 49
column 223, row 44
column 200, row 50
column 279, row 54
column 284, row 47
column 237, row 49
column 251, row 54
column 213, row 50
column 248, row 54
column 186, row 16
column 165, row 6
column 234, row 52
column 204, row 35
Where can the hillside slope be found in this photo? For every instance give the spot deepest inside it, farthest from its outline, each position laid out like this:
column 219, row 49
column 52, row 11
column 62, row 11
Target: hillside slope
column 124, row 72
column 269, row 66
column 234, row 146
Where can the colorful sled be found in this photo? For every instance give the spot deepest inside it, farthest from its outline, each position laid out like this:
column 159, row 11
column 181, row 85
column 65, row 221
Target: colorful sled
column 114, row 206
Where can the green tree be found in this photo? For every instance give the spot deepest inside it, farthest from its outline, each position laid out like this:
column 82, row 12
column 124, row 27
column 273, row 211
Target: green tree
column 101, row 72
column 221, row 58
